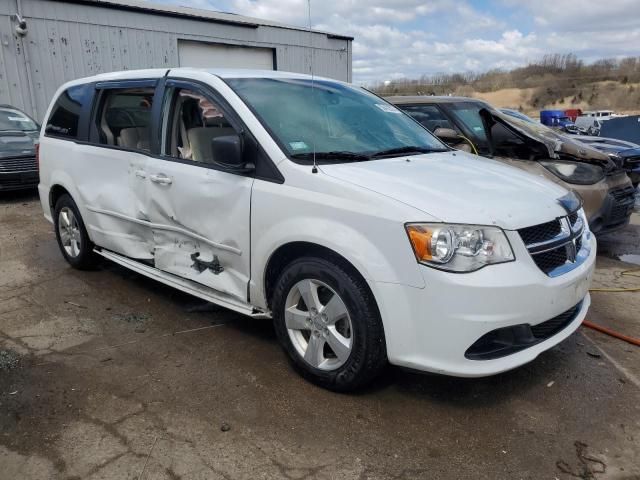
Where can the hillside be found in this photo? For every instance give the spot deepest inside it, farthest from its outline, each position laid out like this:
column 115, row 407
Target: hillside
column 557, row 81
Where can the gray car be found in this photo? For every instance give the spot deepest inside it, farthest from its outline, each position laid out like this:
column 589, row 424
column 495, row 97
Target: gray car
column 19, row 135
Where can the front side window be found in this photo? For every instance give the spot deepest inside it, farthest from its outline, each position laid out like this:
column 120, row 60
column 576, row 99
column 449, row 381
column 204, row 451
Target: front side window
column 429, row 116
column 65, row 114
column 468, row 115
column 334, row 121
column 15, row 120
column 191, row 122
column 124, row 118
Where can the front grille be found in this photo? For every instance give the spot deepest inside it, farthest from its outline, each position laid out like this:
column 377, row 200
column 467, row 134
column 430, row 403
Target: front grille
column 573, row 218
column 622, row 193
column 623, row 203
column 540, row 233
column 13, row 183
column 549, row 261
column 549, row 328
column 21, row 164
column 554, row 244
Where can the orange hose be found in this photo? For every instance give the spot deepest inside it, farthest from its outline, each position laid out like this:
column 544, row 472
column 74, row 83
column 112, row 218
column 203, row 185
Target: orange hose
column 599, row 328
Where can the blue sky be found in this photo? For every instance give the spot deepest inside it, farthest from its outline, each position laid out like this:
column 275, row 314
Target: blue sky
column 407, row 38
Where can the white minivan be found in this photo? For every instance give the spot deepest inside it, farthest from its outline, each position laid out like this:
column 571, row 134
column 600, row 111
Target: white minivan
column 320, row 205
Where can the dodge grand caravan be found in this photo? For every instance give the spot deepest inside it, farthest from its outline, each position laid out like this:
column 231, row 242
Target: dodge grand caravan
column 321, row 206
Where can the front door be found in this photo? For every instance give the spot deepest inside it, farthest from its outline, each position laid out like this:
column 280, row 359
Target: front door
column 199, row 213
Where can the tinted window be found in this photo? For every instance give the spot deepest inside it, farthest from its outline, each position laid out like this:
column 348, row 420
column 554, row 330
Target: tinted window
column 191, row 123
column 124, row 118
column 65, row 115
column 429, row 116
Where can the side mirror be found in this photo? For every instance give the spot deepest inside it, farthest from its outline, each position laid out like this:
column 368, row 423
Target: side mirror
column 227, row 153
column 446, row 134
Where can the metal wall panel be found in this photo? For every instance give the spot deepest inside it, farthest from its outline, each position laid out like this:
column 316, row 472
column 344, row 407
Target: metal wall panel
column 66, row 41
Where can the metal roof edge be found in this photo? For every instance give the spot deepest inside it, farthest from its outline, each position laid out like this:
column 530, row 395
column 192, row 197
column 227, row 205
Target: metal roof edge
column 198, row 14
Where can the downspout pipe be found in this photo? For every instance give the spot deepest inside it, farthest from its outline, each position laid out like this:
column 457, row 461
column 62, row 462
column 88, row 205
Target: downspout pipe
column 27, row 61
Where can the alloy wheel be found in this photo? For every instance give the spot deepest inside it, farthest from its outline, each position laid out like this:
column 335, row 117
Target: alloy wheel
column 69, row 231
column 318, row 324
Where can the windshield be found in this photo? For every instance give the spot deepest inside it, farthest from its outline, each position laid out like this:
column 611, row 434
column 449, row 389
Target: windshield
column 12, row 120
column 340, row 122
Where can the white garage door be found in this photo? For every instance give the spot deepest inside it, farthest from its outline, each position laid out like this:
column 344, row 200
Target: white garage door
column 216, row 55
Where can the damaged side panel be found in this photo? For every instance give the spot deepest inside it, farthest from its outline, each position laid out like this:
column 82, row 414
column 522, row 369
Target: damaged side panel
column 114, row 191
column 200, row 225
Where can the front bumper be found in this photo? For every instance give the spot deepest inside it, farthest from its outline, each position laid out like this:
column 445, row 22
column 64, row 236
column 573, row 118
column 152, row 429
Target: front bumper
column 432, row 329
column 18, row 180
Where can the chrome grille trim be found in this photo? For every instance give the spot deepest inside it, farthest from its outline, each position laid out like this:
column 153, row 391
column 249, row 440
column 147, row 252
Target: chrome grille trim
column 18, row 164
column 564, row 251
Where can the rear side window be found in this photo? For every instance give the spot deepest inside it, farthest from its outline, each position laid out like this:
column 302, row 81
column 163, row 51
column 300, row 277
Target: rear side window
column 124, row 118
column 65, row 115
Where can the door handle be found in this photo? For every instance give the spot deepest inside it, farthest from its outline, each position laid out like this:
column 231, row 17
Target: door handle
column 141, row 174
column 161, row 178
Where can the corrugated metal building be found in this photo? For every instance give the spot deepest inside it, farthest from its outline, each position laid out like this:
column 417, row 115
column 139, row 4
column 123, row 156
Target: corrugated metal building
column 64, row 40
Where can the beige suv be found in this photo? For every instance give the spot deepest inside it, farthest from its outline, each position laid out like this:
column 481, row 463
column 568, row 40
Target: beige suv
column 473, row 125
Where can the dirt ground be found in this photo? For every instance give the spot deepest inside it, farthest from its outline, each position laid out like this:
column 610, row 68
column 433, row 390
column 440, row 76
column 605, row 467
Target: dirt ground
column 108, row 375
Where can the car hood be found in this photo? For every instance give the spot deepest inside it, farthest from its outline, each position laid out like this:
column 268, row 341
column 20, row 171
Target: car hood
column 16, row 144
column 458, row 188
column 556, row 144
column 630, row 157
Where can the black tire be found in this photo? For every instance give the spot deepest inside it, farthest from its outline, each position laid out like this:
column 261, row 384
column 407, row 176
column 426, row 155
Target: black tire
column 86, row 259
column 368, row 354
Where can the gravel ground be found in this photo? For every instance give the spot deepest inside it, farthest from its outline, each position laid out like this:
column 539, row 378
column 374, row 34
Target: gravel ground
column 120, row 377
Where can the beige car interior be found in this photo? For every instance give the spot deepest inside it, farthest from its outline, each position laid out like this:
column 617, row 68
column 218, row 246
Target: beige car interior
column 196, row 122
column 125, row 119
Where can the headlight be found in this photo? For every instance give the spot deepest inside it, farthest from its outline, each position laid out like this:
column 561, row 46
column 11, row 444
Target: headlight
column 575, row 172
column 458, row 248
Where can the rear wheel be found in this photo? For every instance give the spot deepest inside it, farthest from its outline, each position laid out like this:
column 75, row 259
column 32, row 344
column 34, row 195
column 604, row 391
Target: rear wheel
column 327, row 321
column 73, row 240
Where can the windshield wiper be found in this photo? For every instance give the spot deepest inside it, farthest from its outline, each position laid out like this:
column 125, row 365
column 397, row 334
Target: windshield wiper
column 413, row 149
column 335, row 155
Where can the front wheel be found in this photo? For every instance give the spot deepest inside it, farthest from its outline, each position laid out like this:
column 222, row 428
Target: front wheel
column 328, row 323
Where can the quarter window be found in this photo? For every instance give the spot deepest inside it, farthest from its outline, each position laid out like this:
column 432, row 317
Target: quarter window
column 192, row 121
column 124, row 119
column 65, row 114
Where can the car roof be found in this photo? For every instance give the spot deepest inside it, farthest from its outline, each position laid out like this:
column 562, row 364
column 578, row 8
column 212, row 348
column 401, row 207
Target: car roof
column 417, row 99
column 219, row 72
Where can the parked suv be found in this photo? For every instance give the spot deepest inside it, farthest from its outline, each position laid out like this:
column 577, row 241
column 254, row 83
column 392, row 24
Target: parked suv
column 18, row 138
column 473, row 125
column 317, row 204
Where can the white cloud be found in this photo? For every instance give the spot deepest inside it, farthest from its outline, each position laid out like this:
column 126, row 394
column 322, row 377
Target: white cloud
column 585, row 15
column 396, row 38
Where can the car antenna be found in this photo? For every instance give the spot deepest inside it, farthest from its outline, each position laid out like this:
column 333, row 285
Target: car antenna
column 315, row 165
